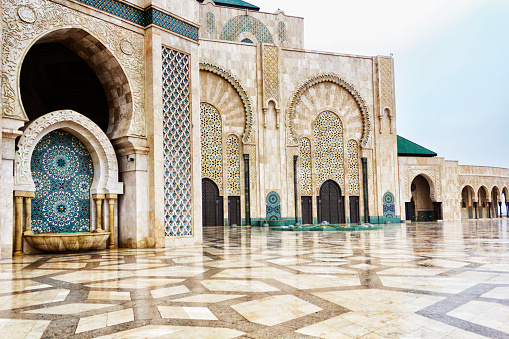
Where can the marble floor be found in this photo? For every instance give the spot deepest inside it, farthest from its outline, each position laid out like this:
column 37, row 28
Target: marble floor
column 415, row 280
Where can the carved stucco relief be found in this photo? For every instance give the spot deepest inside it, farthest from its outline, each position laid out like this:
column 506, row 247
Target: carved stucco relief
column 386, row 93
column 25, row 21
column 247, row 137
column 100, row 148
column 270, row 74
column 293, row 117
column 431, row 172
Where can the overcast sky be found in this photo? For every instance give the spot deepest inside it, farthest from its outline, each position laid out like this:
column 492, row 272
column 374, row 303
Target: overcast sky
column 451, row 65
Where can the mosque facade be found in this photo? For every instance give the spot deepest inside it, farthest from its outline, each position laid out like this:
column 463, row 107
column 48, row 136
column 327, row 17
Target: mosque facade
column 136, row 123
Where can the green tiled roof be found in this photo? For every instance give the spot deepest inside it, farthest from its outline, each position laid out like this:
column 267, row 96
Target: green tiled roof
column 408, row 148
column 237, row 4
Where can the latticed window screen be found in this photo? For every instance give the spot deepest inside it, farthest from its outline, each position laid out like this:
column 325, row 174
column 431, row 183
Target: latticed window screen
column 176, row 143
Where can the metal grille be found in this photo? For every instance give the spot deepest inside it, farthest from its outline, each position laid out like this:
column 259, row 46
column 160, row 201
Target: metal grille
column 176, row 143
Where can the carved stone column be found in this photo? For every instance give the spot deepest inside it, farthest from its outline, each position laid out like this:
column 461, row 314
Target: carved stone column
column 111, row 203
column 28, row 212
column 17, row 225
column 98, row 202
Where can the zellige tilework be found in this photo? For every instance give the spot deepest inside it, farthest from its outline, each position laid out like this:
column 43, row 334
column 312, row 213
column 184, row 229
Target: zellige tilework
column 62, row 171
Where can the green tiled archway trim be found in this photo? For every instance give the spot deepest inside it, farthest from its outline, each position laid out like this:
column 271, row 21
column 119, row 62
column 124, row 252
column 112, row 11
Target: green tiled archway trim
column 144, row 17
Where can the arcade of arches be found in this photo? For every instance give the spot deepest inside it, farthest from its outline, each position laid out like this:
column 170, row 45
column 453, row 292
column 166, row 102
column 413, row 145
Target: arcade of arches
column 138, row 131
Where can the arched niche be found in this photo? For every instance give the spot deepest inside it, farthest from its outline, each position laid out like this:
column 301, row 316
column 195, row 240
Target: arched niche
column 105, row 180
column 222, row 90
column 305, row 105
column 106, row 67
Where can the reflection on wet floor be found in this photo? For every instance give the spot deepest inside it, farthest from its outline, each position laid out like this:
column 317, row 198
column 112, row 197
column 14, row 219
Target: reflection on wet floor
column 415, row 280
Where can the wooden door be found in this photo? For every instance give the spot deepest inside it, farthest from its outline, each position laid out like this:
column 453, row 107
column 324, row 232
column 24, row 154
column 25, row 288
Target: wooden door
column 331, row 204
column 307, row 210
column 212, row 204
column 234, row 211
column 354, row 210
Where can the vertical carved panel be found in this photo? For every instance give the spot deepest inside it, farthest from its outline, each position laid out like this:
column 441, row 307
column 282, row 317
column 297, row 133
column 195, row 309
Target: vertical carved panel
column 176, row 143
column 386, row 82
column 328, row 134
column 353, row 167
column 386, row 94
column 233, row 155
column 270, row 73
column 211, row 145
column 305, row 167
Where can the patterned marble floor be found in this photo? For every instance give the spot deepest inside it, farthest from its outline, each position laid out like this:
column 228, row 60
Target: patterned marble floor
column 426, row 280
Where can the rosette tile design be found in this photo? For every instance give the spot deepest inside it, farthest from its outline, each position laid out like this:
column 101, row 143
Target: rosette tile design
column 62, row 171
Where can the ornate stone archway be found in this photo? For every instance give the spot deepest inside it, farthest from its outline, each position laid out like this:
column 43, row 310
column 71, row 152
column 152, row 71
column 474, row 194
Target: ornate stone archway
column 209, row 67
column 104, row 160
column 114, row 53
column 331, row 78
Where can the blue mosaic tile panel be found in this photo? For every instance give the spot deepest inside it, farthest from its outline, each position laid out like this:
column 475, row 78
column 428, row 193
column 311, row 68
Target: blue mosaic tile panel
column 233, row 28
column 281, row 31
column 176, row 143
column 144, row 18
column 211, row 24
column 328, row 135
column 62, row 171
column 305, row 167
column 233, row 155
column 352, row 150
column 388, row 205
column 273, row 206
column 211, row 145
column 246, row 40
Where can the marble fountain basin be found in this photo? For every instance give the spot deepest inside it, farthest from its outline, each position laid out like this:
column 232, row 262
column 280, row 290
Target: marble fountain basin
column 65, row 242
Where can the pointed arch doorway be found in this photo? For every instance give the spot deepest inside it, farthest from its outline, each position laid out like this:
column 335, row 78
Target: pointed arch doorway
column 212, row 204
column 331, row 206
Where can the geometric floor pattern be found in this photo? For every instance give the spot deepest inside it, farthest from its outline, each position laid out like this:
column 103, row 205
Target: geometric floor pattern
column 414, row 280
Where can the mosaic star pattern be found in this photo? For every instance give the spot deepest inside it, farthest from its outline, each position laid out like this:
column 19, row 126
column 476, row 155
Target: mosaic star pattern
column 414, row 280
column 328, row 134
column 62, row 171
column 211, row 145
column 273, row 206
column 233, row 154
column 388, row 205
column 353, row 167
column 233, row 28
column 176, row 143
column 305, row 166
